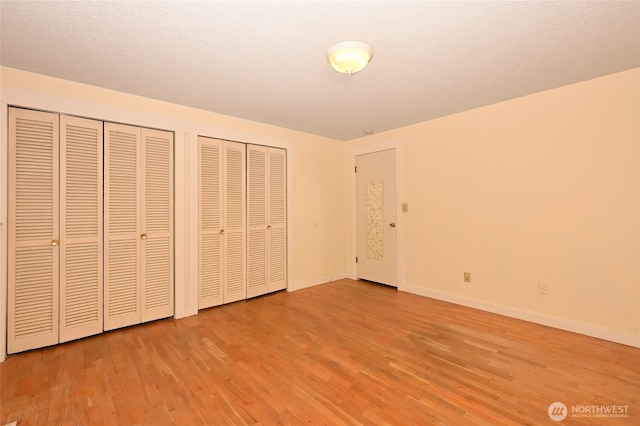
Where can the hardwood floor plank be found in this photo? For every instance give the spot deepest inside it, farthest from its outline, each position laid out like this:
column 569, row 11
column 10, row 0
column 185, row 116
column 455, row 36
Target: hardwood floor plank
column 345, row 352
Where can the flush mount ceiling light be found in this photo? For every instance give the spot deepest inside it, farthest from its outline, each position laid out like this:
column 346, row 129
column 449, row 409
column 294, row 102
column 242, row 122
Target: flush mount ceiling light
column 349, row 57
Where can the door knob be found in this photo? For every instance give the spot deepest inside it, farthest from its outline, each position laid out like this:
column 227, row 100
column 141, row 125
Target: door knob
column 143, row 236
column 392, row 224
column 55, row 242
column 221, row 231
column 269, row 227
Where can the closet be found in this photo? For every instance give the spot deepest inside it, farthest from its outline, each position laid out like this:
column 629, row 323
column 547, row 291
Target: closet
column 267, row 220
column 221, row 217
column 72, row 272
column 138, row 225
column 242, row 207
column 55, row 229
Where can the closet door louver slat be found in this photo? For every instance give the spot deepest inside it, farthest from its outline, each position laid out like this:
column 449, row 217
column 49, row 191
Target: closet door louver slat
column 81, row 286
column 257, row 218
column 32, row 227
column 122, row 226
column 157, row 225
column 235, row 230
column 277, row 274
column 222, row 230
column 76, row 268
column 210, row 180
column 267, row 216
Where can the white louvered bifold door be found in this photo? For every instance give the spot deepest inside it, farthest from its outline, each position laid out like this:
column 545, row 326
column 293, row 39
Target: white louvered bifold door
column 80, row 228
column 33, row 230
column 267, row 220
column 122, row 220
column 277, row 220
column 210, row 178
column 157, row 225
column 256, row 220
column 234, row 266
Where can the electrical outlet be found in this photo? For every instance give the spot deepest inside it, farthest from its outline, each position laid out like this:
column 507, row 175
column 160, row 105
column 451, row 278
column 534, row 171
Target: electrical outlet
column 543, row 288
column 467, row 277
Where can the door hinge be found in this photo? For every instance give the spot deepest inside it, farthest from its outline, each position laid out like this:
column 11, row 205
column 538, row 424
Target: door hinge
column 356, row 259
column 355, row 169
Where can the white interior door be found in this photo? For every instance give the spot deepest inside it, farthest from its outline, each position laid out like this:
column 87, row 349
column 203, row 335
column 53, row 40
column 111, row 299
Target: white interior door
column 277, row 220
column 81, row 288
column 122, row 221
column 234, row 222
column 376, row 217
column 257, row 220
column 157, row 225
column 222, row 227
column 138, row 225
column 267, row 220
column 210, row 272
column 33, row 230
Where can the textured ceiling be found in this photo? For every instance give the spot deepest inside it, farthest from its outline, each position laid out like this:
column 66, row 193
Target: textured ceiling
column 266, row 61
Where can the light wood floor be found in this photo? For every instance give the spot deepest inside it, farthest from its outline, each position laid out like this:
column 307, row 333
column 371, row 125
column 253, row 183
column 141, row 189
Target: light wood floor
column 346, row 352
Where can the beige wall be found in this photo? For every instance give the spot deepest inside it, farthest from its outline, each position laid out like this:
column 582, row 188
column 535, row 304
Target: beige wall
column 319, row 226
column 316, row 179
column 540, row 188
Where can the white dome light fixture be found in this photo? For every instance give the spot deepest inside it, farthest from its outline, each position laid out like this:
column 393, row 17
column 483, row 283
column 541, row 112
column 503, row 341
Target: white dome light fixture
column 349, row 57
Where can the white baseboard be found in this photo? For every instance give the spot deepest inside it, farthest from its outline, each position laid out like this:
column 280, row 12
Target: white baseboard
column 615, row 336
column 315, row 281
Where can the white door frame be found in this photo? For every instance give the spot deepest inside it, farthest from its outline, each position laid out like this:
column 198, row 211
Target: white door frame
column 395, row 144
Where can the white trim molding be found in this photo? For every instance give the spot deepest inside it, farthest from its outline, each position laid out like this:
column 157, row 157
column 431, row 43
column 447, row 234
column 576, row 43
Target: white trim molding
column 590, row 330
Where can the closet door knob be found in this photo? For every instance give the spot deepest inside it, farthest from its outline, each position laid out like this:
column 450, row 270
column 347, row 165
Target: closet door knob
column 143, row 236
column 392, row 224
column 269, row 227
column 55, row 242
column 221, row 231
